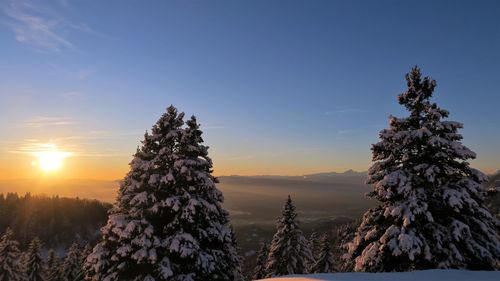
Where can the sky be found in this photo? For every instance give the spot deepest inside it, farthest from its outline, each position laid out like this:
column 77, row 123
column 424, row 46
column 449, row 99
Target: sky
column 279, row 87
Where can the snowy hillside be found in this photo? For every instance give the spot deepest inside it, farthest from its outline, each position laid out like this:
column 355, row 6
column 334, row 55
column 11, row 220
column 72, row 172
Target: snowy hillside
column 427, row 275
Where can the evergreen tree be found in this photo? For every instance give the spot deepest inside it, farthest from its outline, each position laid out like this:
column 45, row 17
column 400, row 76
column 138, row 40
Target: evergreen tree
column 72, row 267
column 87, row 250
column 168, row 222
column 344, row 234
column 325, row 261
column 289, row 251
column 10, row 267
column 53, row 266
column 34, row 266
column 314, row 246
column 260, row 268
column 432, row 213
column 238, row 274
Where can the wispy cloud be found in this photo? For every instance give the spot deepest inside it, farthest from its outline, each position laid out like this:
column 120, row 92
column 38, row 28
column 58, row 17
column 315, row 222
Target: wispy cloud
column 82, row 27
column 212, row 127
column 36, row 26
column 99, row 135
column 45, row 121
column 31, row 146
column 343, row 132
column 41, row 26
column 77, row 74
column 346, row 110
column 240, row 157
column 105, row 153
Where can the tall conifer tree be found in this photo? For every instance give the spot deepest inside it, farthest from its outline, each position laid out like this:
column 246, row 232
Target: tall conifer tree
column 325, row 261
column 289, row 251
column 314, row 246
column 53, row 266
column 10, row 266
column 432, row 213
column 260, row 268
column 168, row 222
column 34, row 267
column 72, row 267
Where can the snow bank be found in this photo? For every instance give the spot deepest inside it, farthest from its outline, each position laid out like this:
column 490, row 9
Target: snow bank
column 424, row 275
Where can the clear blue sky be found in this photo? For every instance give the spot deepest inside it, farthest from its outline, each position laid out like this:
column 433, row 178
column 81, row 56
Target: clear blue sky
column 281, row 87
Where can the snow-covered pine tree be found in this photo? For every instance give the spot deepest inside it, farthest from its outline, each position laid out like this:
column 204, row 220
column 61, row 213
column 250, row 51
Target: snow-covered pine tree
column 72, row 266
column 168, row 222
column 289, row 250
column 432, row 213
column 87, row 250
column 325, row 262
column 34, row 268
column 314, row 246
column 259, row 271
column 238, row 274
column 10, row 267
column 343, row 235
column 53, row 264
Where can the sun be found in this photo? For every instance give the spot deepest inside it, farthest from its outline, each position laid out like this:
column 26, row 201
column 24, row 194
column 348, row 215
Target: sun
column 51, row 160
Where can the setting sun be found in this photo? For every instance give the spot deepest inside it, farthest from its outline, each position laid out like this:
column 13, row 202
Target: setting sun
column 285, row 140
column 52, row 160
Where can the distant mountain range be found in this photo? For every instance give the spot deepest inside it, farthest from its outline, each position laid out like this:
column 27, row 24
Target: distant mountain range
column 105, row 190
column 249, row 198
column 322, row 195
column 246, row 196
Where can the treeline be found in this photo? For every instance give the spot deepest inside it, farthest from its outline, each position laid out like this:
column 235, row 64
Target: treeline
column 31, row 265
column 56, row 221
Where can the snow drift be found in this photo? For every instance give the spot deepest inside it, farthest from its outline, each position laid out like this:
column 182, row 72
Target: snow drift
column 427, row 275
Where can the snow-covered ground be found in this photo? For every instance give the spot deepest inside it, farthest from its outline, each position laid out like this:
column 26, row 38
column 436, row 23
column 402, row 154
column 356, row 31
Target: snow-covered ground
column 424, row 275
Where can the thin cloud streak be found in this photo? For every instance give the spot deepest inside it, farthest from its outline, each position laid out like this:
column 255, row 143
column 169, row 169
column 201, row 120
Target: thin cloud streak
column 241, row 157
column 343, row 132
column 77, row 74
column 45, row 121
column 346, row 110
column 33, row 146
column 101, row 134
column 30, row 26
column 212, row 127
column 42, row 27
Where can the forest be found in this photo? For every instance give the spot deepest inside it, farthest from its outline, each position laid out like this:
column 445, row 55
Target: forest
column 169, row 223
column 56, row 221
